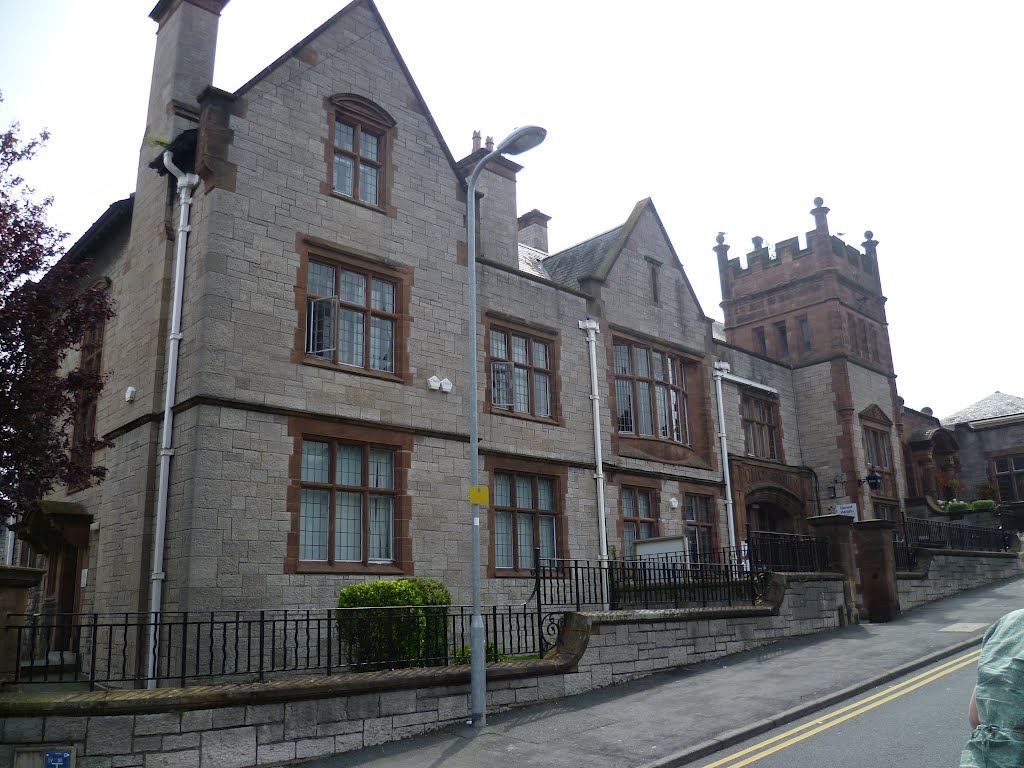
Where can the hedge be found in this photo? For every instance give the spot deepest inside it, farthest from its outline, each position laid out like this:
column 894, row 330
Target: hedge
column 394, row 624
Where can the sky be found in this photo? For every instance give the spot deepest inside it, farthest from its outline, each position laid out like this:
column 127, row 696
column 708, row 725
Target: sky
column 732, row 116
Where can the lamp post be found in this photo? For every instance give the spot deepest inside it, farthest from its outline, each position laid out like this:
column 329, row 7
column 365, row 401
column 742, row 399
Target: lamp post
column 520, row 140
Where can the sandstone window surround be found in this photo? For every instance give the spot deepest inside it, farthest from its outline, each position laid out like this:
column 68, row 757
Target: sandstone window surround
column 760, row 427
column 698, row 512
column 522, row 365
column 83, row 431
column 876, row 448
column 650, row 392
column 1008, row 476
column 805, row 333
column 359, row 146
column 348, row 501
column 639, row 520
column 783, row 338
column 761, row 340
column 527, row 503
column 353, row 313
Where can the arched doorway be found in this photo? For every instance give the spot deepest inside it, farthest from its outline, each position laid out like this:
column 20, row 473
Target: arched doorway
column 773, row 509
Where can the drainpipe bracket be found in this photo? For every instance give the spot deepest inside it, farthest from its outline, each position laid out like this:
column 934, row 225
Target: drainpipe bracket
column 166, row 451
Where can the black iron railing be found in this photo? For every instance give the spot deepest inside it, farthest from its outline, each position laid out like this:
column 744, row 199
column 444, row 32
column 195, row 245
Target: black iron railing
column 112, row 649
column 235, row 646
column 904, row 553
column 942, row 535
column 661, row 581
column 787, row 552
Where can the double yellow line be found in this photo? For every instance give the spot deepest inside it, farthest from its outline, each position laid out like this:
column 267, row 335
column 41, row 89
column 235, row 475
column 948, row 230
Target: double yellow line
column 805, row 731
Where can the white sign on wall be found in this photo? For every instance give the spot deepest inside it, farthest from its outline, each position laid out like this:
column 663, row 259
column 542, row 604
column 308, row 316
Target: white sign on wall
column 850, row 510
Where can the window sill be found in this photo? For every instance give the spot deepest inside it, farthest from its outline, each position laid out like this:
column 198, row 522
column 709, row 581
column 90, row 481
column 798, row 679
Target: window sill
column 513, row 573
column 653, row 439
column 552, row 420
column 355, row 201
column 384, row 569
column 330, row 365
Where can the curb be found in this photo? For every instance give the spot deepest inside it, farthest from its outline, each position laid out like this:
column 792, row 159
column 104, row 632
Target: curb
column 730, row 738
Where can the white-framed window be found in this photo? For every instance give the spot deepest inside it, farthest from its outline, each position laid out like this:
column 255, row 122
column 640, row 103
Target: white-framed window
column 347, row 503
column 525, row 517
column 352, row 316
column 522, row 375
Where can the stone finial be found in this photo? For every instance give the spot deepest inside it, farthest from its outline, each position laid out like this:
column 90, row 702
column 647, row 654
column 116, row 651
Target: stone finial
column 720, row 239
column 490, row 144
column 758, row 241
column 476, row 140
column 820, row 214
column 870, row 244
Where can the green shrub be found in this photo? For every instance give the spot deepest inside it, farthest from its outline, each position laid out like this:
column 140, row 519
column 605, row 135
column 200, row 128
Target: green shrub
column 957, row 507
column 464, row 654
column 984, row 505
column 396, row 624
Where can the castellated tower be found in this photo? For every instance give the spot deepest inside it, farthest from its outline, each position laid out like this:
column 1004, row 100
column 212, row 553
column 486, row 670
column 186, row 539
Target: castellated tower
column 806, row 306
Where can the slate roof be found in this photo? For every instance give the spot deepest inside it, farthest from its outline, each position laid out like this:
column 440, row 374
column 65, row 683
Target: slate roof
column 991, row 407
column 530, row 261
column 718, row 330
column 580, row 260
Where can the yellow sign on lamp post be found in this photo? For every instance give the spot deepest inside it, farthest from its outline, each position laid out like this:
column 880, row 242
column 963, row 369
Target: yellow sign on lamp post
column 478, row 495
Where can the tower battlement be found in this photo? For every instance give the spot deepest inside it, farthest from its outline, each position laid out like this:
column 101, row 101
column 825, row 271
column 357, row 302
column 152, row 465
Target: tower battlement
column 806, row 303
column 766, row 268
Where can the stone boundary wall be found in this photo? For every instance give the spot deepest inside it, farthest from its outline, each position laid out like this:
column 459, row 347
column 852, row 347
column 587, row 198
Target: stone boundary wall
column 236, row 726
column 944, row 572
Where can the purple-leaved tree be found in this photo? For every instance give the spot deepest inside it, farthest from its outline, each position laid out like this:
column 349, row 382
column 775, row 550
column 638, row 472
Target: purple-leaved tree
column 48, row 310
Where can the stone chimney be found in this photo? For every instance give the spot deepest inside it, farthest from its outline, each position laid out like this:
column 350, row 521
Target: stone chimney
column 476, row 140
column 533, row 230
column 186, row 42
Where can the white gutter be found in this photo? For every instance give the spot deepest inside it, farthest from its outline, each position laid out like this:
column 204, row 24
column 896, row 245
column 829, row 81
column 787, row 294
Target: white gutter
column 721, row 371
column 186, row 183
column 592, row 329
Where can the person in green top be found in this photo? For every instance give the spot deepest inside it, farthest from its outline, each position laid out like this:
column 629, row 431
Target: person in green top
column 996, row 710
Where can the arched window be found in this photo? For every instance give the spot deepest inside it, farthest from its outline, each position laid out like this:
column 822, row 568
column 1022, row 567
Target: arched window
column 360, row 141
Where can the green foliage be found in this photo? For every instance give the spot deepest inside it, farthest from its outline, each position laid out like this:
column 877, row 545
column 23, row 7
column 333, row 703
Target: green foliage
column 957, row 507
column 394, row 624
column 464, row 654
column 984, row 505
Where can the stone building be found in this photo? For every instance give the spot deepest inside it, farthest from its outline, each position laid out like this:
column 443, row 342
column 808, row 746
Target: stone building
column 318, row 387
column 990, row 437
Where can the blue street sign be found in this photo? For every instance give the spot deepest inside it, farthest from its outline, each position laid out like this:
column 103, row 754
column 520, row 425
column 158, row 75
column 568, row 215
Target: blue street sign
column 58, row 759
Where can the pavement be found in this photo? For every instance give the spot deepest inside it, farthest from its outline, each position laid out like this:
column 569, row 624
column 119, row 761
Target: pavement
column 672, row 718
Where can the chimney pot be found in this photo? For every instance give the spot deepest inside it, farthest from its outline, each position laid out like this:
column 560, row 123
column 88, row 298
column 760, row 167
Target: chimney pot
column 476, row 140
column 490, row 144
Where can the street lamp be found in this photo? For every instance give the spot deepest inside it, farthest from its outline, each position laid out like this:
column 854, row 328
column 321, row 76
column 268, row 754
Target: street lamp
column 520, row 140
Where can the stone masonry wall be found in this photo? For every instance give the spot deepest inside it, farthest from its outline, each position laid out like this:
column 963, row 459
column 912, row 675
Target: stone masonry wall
column 214, row 726
column 941, row 574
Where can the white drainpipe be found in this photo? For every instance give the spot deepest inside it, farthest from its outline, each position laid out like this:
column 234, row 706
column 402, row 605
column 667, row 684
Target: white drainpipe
column 186, row 183
column 9, row 543
column 592, row 329
column 721, row 371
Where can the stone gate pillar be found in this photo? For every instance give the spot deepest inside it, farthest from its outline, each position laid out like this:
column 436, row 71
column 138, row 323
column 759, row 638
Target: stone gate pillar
column 876, row 563
column 836, row 528
column 15, row 584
